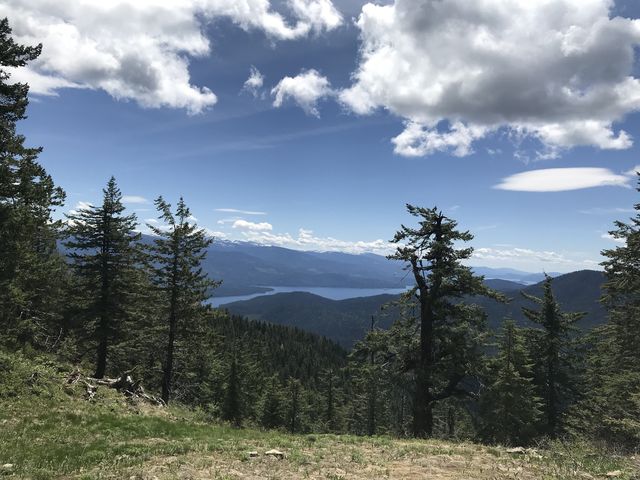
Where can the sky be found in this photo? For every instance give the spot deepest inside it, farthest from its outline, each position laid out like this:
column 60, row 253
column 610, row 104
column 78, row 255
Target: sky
column 310, row 124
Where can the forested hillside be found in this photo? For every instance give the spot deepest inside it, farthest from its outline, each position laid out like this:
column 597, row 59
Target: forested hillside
column 347, row 321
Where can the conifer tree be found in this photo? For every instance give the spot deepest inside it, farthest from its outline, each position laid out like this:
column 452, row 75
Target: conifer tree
column 233, row 407
column 175, row 259
column 509, row 409
column 272, row 408
column 367, row 374
column 294, row 405
column 30, row 268
column 554, row 348
column 612, row 405
column 450, row 332
column 104, row 252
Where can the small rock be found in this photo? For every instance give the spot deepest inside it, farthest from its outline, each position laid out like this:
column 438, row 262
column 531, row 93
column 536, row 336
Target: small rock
column 516, row 450
column 253, row 454
column 7, row 466
column 275, row 453
column 614, row 473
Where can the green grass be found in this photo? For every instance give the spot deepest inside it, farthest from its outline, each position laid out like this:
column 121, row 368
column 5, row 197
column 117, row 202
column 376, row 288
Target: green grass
column 49, row 430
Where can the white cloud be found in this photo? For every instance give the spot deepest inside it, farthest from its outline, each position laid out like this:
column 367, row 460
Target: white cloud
column 254, row 83
column 214, row 233
column 633, row 172
column 306, row 240
column 562, row 179
column 560, row 71
column 305, row 89
column 137, row 199
column 251, row 226
column 81, row 205
column 140, row 49
column 242, row 212
column 317, row 14
column 418, row 141
column 606, row 211
column 608, row 236
column 531, row 260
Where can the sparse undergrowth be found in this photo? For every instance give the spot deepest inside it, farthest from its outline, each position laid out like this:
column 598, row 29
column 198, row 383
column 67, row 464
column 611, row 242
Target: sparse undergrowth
column 49, row 430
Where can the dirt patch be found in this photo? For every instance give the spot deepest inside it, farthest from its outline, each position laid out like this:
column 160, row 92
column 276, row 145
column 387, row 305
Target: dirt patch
column 403, row 460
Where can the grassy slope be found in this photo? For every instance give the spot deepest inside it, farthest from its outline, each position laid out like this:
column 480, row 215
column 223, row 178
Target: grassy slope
column 48, row 430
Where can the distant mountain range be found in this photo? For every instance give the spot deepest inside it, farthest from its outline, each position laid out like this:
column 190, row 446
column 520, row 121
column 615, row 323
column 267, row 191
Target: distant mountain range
column 346, row 321
column 247, row 268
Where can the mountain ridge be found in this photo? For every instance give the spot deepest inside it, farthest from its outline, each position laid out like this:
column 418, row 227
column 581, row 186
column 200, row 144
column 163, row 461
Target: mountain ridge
column 346, row 321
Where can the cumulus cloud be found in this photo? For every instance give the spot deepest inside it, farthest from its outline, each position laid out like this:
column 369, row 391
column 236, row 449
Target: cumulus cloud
column 241, row 212
column 252, row 226
column 254, row 83
column 560, row 72
column 140, row 50
column 137, row 199
column 305, row 89
column 418, row 141
column 562, row 179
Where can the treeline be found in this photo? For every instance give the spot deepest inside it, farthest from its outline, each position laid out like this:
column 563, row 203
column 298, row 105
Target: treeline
column 116, row 302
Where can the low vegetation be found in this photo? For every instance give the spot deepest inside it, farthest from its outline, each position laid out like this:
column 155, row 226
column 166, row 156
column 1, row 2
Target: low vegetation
column 51, row 430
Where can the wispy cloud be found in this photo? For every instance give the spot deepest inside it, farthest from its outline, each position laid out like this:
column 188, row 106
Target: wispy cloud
column 134, row 199
column 240, row 212
column 608, row 236
column 542, row 259
column 254, row 83
column 605, row 211
column 562, row 179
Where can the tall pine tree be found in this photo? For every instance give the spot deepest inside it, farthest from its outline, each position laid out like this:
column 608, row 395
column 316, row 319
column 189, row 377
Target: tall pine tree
column 451, row 332
column 509, row 409
column 554, row 348
column 30, row 268
column 104, row 252
column 175, row 259
column 612, row 405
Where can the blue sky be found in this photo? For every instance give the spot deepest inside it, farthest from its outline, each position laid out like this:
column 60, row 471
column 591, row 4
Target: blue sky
column 330, row 170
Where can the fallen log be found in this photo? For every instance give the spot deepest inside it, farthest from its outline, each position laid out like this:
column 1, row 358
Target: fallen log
column 124, row 383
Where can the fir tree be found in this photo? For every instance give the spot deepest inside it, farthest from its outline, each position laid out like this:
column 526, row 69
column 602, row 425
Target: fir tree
column 104, row 252
column 509, row 409
column 272, row 405
column 451, row 333
column 554, row 348
column 294, row 405
column 367, row 372
column 233, row 407
column 31, row 271
column 612, row 406
column 176, row 257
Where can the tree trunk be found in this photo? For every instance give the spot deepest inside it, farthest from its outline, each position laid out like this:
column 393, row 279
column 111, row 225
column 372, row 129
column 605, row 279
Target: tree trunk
column 173, row 324
column 423, row 405
column 168, row 365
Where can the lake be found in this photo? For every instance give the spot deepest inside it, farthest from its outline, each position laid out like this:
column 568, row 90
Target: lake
column 333, row 293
